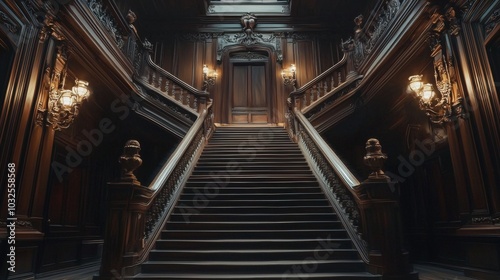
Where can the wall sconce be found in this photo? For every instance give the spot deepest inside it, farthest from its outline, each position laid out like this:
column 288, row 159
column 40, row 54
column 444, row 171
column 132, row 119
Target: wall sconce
column 209, row 77
column 289, row 77
column 437, row 107
column 64, row 104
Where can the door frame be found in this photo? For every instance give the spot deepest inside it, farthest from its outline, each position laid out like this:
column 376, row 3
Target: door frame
column 221, row 108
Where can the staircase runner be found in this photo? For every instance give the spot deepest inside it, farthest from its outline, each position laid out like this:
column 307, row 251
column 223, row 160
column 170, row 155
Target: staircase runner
column 252, row 209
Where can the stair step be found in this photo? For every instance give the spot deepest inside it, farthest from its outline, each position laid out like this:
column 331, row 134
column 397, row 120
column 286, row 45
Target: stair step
column 301, row 274
column 286, row 266
column 247, row 243
column 253, row 209
column 253, row 255
column 248, row 225
column 209, row 190
column 211, row 209
column 203, row 201
column 253, row 233
column 215, row 196
column 225, row 217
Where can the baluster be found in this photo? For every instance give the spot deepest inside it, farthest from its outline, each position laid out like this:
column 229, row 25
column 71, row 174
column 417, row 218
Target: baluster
column 167, row 84
column 311, row 96
column 181, row 96
column 173, row 92
column 332, row 82
column 304, row 100
column 151, row 77
column 157, row 80
column 340, row 78
column 160, row 82
column 318, row 92
column 188, row 100
column 325, row 87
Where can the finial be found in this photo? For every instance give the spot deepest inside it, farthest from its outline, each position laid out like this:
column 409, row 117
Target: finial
column 130, row 160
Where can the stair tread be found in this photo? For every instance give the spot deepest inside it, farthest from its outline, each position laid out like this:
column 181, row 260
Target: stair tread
column 331, row 275
column 248, row 263
column 251, row 208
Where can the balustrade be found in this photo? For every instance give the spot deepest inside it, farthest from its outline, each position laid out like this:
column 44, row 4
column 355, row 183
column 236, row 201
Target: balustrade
column 137, row 213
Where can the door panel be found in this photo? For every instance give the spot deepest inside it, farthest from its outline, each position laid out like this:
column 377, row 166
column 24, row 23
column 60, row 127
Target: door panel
column 250, row 101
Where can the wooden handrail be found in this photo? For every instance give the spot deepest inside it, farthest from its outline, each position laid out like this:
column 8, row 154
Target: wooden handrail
column 325, row 74
column 174, row 159
column 340, row 168
column 343, row 197
column 188, row 87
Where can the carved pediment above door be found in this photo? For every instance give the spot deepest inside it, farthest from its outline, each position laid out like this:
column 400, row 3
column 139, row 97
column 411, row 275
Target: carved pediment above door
column 249, row 38
column 273, row 41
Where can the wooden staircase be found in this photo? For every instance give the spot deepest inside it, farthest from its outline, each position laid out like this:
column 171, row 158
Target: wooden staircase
column 252, row 209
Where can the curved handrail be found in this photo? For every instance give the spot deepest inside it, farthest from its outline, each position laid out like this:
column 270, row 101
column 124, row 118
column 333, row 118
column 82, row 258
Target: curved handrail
column 325, row 74
column 188, row 87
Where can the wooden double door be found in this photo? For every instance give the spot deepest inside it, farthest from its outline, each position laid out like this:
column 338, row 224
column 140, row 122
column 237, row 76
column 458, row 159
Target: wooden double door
column 250, row 98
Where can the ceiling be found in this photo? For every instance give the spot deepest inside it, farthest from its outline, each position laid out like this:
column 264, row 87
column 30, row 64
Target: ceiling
column 160, row 16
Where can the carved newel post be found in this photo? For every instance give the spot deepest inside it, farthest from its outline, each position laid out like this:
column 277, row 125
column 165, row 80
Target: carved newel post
column 125, row 220
column 130, row 161
column 381, row 222
column 375, row 159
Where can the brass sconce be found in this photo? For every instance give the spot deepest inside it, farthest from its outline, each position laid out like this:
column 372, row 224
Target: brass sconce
column 289, row 76
column 64, row 104
column 446, row 104
column 209, row 77
column 438, row 107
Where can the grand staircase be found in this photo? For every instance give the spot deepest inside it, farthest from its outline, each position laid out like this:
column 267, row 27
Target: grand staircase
column 252, row 209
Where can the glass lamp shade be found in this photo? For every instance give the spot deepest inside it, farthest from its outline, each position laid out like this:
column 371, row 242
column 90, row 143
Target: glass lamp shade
column 205, row 69
column 427, row 93
column 81, row 89
column 67, row 99
column 416, row 83
column 293, row 68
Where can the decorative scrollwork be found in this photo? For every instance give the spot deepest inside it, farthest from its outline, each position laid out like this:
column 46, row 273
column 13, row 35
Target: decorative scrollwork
column 8, row 22
column 327, row 174
column 107, row 21
column 164, row 199
column 366, row 38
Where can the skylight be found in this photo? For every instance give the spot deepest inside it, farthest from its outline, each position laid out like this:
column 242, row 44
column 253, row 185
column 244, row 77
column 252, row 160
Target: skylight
column 257, row 7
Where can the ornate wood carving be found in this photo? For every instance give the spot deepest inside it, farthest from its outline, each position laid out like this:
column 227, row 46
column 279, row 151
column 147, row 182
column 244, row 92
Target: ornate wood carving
column 492, row 22
column 100, row 11
column 6, row 20
column 270, row 40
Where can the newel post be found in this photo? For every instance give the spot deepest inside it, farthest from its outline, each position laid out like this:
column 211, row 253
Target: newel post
column 380, row 214
column 125, row 222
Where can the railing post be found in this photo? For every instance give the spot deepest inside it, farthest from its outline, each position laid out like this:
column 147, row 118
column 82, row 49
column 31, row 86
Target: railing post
column 125, row 222
column 348, row 47
column 381, row 222
column 202, row 104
